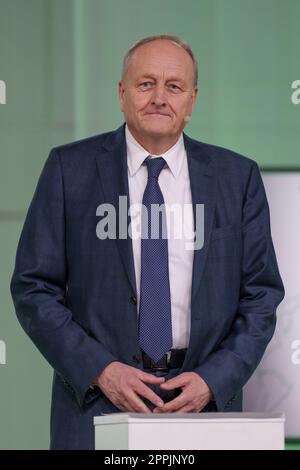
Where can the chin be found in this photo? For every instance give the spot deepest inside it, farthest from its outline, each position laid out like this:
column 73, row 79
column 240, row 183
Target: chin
column 157, row 129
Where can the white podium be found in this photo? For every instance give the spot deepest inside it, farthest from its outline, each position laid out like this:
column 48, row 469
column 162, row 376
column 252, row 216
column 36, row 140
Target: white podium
column 192, row 431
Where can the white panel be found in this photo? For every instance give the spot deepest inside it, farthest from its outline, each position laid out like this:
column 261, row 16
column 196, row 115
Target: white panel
column 275, row 386
column 202, row 431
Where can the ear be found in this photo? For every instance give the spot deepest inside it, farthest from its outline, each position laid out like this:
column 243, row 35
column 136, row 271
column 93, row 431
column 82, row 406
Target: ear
column 194, row 95
column 121, row 94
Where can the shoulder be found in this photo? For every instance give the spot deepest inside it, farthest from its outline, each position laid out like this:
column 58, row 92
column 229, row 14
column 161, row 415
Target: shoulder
column 221, row 158
column 85, row 148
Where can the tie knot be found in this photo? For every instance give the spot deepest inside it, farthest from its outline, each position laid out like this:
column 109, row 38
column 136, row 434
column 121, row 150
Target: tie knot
column 155, row 165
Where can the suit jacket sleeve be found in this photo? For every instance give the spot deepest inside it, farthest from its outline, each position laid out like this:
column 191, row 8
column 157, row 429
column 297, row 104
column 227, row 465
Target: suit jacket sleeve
column 229, row 367
column 39, row 284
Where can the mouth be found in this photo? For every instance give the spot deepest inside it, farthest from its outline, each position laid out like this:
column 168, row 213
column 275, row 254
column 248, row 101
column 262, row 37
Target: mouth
column 157, row 114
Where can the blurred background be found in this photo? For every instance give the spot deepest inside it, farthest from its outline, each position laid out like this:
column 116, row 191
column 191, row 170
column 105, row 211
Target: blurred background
column 61, row 62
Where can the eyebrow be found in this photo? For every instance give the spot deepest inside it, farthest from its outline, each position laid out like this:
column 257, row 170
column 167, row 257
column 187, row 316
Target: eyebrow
column 170, row 79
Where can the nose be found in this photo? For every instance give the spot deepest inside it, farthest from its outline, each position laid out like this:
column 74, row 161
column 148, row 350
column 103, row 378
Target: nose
column 159, row 95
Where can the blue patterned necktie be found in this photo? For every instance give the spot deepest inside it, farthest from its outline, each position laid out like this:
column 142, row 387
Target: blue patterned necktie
column 155, row 323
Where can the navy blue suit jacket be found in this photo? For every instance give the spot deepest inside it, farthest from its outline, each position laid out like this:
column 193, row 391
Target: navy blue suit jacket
column 75, row 295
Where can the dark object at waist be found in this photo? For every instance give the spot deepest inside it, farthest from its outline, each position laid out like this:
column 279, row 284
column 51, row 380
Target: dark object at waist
column 172, row 360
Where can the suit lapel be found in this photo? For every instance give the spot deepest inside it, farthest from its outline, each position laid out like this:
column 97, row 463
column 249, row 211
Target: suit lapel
column 203, row 189
column 112, row 168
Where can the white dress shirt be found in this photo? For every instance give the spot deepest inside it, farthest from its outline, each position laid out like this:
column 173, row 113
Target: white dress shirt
column 174, row 183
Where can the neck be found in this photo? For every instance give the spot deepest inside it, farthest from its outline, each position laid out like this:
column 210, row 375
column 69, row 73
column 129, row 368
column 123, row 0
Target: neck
column 158, row 146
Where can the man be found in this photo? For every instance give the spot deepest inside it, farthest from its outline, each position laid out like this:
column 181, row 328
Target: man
column 145, row 324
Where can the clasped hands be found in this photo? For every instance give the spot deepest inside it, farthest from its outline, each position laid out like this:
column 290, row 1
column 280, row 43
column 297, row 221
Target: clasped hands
column 125, row 386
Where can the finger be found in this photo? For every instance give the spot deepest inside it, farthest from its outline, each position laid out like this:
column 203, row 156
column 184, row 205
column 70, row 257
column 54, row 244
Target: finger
column 147, row 393
column 176, row 382
column 149, row 378
column 136, row 403
column 186, row 409
column 129, row 408
column 127, row 402
column 124, row 406
column 203, row 405
column 173, row 405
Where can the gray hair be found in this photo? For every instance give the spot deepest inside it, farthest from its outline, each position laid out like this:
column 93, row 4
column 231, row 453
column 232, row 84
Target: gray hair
column 184, row 44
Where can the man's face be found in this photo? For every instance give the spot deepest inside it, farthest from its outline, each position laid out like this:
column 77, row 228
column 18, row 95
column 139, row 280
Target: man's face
column 157, row 94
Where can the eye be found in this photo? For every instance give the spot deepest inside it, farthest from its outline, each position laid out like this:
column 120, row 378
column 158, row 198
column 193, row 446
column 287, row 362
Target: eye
column 174, row 88
column 145, row 85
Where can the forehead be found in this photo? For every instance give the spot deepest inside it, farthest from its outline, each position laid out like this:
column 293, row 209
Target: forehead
column 161, row 56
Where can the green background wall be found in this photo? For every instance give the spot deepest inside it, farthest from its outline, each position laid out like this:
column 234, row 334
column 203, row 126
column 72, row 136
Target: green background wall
column 61, row 62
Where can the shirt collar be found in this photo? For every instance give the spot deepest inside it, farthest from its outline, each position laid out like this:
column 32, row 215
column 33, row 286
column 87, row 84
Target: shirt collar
column 136, row 154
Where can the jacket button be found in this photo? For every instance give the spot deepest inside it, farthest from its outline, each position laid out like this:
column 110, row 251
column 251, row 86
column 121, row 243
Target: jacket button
column 133, row 300
column 136, row 359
